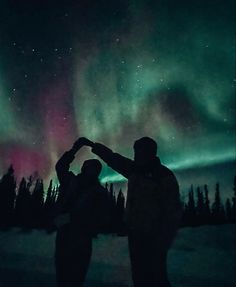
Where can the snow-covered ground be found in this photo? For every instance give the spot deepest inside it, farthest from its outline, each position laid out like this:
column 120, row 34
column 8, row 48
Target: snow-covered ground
column 200, row 257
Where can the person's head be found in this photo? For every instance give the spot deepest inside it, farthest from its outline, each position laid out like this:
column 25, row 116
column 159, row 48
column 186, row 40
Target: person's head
column 91, row 168
column 145, row 150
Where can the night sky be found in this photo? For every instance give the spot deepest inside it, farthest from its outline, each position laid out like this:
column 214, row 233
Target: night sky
column 115, row 71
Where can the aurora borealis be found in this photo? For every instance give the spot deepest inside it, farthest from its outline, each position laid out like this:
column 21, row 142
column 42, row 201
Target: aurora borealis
column 115, row 71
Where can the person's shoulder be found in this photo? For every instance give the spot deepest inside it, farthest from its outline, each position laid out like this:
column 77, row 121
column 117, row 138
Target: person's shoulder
column 167, row 172
column 169, row 178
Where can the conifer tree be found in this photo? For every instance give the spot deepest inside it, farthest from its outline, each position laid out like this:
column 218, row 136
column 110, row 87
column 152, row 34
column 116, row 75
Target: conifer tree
column 191, row 209
column 49, row 207
column 22, row 206
column 200, row 207
column 207, row 209
column 234, row 202
column 120, row 209
column 228, row 211
column 37, row 202
column 49, row 197
column 112, row 203
column 218, row 212
column 7, row 198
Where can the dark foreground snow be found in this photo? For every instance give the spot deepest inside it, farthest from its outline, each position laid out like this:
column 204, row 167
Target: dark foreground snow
column 200, row 257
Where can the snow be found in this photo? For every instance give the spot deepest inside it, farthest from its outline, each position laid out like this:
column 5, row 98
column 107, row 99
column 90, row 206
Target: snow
column 200, row 257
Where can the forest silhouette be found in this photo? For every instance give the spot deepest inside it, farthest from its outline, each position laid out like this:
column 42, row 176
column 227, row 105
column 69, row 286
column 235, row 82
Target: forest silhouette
column 30, row 205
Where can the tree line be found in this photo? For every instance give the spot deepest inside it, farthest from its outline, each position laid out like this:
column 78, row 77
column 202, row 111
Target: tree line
column 198, row 210
column 29, row 205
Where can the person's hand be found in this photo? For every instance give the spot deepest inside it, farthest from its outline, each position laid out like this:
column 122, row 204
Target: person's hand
column 86, row 141
column 82, row 142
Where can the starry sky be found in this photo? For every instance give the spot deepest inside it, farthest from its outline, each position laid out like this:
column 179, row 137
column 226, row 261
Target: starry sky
column 115, row 71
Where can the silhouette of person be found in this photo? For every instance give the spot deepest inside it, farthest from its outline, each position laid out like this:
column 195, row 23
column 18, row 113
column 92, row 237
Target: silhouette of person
column 153, row 209
column 81, row 215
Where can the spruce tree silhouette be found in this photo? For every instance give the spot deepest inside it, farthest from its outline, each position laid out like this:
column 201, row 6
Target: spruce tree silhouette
column 49, row 208
column 120, row 213
column 218, row 212
column 112, row 206
column 200, row 207
column 207, row 209
column 7, row 198
column 37, row 203
column 22, row 206
column 191, row 209
column 49, row 197
column 234, row 202
column 228, row 211
column 184, row 221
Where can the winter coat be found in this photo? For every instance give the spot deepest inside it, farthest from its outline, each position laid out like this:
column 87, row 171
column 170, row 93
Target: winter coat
column 83, row 200
column 153, row 200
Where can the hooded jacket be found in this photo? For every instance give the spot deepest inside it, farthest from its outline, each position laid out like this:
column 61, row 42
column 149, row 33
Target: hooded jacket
column 153, row 199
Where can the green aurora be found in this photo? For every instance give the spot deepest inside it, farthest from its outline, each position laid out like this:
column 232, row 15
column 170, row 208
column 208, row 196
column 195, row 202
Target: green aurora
column 126, row 70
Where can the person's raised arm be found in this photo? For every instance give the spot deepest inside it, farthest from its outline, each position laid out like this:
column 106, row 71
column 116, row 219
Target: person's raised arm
column 119, row 163
column 63, row 164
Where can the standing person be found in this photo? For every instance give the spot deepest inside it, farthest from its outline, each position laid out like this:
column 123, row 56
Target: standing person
column 153, row 209
column 81, row 205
